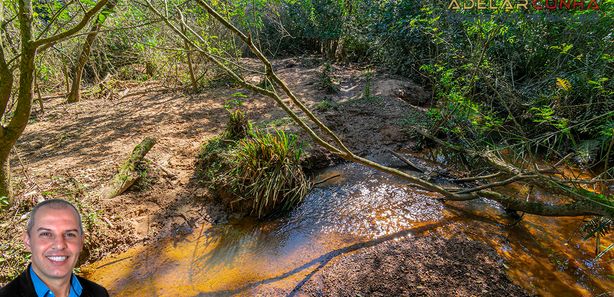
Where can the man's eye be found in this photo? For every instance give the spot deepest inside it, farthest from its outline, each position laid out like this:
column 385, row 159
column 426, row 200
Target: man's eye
column 45, row 234
column 71, row 235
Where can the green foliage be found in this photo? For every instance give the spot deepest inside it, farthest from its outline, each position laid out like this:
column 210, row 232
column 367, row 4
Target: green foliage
column 326, row 80
column 366, row 91
column 314, row 25
column 4, row 202
column 536, row 81
column 325, row 105
column 259, row 173
column 238, row 126
column 146, row 178
column 417, row 118
column 268, row 172
column 235, row 102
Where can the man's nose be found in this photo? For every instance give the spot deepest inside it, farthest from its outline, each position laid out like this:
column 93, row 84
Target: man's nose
column 59, row 243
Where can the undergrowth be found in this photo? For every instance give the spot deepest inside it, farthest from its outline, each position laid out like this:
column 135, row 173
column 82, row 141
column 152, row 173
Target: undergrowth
column 253, row 172
column 326, row 80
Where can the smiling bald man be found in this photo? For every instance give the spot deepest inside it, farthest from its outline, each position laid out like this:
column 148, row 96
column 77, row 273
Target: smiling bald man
column 55, row 238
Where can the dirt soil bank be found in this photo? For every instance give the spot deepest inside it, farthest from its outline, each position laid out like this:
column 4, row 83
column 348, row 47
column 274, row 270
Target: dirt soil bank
column 423, row 266
column 72, row 151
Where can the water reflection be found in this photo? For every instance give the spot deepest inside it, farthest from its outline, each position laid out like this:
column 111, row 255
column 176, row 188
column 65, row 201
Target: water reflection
column 362, row 206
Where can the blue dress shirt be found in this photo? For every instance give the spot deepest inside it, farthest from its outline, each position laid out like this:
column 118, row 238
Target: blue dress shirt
column 43, row 291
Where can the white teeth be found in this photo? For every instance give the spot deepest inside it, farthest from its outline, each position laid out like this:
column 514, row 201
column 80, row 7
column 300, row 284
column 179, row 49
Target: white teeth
column 57, row 259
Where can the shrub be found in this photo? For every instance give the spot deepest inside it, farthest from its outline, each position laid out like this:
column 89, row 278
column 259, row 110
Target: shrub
column 326, row 80
column 267, row 175
column 254, row 172
column 238, row 126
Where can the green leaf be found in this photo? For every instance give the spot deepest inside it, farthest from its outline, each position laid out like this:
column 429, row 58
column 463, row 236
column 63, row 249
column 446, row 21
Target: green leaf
column 4, row 202
column 101, row 18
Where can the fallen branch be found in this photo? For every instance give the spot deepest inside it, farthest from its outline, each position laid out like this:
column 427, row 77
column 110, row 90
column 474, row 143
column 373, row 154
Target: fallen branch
column 128, row 174
column 553, row 184
column 481, row 177
column 508, row 181
column 406, row 161
column 326, row 179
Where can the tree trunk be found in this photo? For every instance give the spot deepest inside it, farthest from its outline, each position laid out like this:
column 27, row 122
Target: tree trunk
column 75, row 89
column 186, row 46
column 128, row 174
column 191, row 68
column 5, row 174
column 17, row 124
column 21, row 113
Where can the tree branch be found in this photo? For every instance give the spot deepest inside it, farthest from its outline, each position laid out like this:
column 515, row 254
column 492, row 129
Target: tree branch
column 406, row 161
column 481, row 177
column 508, row 181
column 53, row 19
column 86, row 18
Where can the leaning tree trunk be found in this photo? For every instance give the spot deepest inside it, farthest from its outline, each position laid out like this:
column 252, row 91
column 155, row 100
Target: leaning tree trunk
column 10, row 132
column 75, row 89
column 17, row 124
column 190, row 64
column 6, row 85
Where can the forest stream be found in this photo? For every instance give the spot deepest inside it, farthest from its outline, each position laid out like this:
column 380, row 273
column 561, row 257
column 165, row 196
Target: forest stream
column 355, row 209
column 153, row 118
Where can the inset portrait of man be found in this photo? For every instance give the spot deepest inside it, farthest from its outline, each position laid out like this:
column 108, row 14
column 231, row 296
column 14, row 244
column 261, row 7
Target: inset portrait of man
column 54, row 236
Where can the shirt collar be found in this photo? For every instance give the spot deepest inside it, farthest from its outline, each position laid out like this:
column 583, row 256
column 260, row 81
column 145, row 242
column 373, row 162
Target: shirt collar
column 43, row 291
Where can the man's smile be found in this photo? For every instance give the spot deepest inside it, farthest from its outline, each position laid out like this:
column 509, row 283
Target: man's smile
column 57, row 259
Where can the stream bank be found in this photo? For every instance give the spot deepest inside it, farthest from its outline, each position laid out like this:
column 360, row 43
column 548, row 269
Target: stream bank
column 359, row 233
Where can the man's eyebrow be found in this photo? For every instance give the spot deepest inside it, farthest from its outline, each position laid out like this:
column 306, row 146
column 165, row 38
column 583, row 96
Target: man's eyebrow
column 47, row 229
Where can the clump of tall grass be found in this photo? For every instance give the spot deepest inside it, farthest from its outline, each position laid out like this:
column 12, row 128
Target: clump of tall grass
column 267, row 173
column 254, row 172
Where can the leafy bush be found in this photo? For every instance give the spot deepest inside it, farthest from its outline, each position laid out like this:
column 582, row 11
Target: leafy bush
column 326, row 80
column 258, row 173
column 535, row 81
column 325, row 105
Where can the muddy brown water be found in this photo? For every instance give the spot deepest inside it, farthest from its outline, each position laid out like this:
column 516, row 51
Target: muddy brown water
column 546, row 256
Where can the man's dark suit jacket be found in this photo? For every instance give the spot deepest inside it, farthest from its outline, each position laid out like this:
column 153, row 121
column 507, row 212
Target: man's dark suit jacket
column 22, row 286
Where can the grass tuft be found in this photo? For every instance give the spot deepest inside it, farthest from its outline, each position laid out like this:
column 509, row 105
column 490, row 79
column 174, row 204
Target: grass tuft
column 238, row 126
column 258, row 174
column 267, row 173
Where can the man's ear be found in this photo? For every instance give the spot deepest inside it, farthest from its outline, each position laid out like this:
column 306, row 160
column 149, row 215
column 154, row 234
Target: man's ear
column 26, row 241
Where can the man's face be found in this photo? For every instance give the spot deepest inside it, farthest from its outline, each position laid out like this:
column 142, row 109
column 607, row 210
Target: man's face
column 55, row 243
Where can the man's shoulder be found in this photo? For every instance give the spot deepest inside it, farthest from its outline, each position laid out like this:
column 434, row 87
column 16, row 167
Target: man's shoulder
column 14, row 288
column 11, row 289
column 93, row 289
